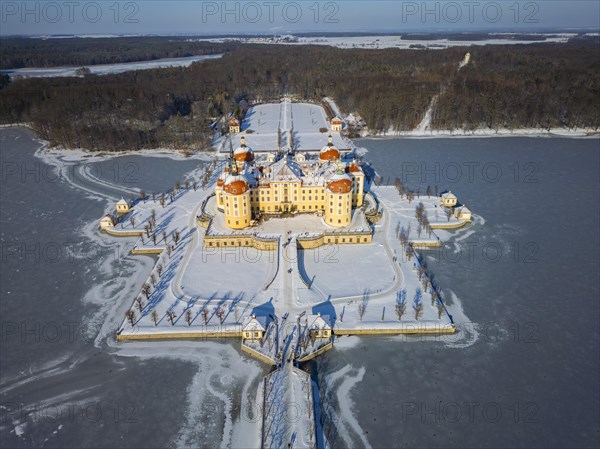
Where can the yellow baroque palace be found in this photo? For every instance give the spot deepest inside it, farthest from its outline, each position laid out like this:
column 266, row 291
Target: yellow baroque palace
column 295, row 183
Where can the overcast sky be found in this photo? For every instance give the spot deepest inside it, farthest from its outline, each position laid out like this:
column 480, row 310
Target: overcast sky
column 194, row 16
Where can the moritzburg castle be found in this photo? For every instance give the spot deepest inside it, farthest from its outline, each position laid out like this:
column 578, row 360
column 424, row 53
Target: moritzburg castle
column 289, row 183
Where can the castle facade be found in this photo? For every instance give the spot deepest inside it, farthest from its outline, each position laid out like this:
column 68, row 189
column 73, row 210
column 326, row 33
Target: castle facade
column 247, row 189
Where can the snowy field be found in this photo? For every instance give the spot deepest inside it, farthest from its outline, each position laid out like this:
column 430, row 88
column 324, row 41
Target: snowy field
column 228, row 272
column 108, row 69
column 304, row 119
column 349, row 270
column 381, row 42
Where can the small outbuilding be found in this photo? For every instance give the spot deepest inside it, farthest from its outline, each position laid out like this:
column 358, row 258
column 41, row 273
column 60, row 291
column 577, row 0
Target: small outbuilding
column 234, row 125
column 462, row 213
column 254, row 328
column 122, row 206
column 319, row 326
column 107, row 222
column 336, row 124
column 448, row 199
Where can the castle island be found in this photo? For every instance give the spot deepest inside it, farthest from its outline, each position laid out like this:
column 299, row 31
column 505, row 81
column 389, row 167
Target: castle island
column 288, row 243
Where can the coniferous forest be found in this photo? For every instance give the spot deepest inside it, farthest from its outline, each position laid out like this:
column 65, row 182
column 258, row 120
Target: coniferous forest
column 505, row 86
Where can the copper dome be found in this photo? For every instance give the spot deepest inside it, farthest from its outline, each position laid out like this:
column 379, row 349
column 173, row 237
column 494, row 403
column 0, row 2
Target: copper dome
column 235, row 185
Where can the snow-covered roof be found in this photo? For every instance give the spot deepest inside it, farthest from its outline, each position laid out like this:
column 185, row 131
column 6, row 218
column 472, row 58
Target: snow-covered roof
column 448, row 195
column 255, row 323
column 464, row 209
column 122, row 202
column 286, row 170
column 106, row 219
column 319, row 322
column 339, row 175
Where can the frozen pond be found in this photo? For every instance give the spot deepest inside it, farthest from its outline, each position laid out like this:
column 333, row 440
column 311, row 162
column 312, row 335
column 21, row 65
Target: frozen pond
column 108, row 69
column 527, row 377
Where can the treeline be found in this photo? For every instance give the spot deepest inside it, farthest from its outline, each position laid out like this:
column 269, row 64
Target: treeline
column 25, row 52
column 512, row 86
column 534, row 86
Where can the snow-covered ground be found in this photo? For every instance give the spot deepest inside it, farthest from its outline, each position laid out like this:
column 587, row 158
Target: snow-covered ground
column 289, row 414
column 107, row 69
column 380, row 42
column 348, row 270
column 204, row 290
column 265, row 120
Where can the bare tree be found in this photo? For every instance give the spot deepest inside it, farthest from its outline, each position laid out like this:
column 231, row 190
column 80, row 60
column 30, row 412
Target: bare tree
column 143, row 196
column 154, row 317
column 205, row 315
column 176, row 237
column 171, row 317
column 418, row 304
column 186, row 185
column 169, row 250
column 130, row 316
column 162, row 200
column 448, row 213
column 146, row 290
column 426, row 283
column 147, row 229
column 361, row 310
column 139, row 303
column 195, row 184
column 188, row 317
column 153, row 215
column 164, row 235
column 153, row 279
column 154, row 197
column 434, row 295
column 400, row 303
column 154, row 238
column 220, row 312
column 440, row 308
column 132, row 221
column 409, row 252
column 159, row 269
column 429, row 191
